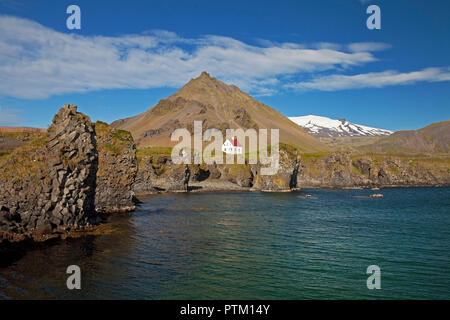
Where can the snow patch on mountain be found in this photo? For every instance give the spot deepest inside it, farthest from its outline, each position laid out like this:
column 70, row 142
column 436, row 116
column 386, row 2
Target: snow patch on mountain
column 325, row 127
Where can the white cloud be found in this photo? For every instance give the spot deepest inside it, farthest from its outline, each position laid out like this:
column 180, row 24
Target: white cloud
column 9, row 117
column 38, row 62
column 373, row 80
column 368, row 46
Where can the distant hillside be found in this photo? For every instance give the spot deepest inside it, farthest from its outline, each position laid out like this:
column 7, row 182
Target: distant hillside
column 21, row 130
column 13, row 137
column 434, row 138
column 219, row 106
column 324, row 127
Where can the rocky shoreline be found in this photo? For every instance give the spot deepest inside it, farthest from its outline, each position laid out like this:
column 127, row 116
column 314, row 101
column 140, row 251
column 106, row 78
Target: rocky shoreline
column 63, row 182
column 344, row 169
column 157, row 173
column 338, row 170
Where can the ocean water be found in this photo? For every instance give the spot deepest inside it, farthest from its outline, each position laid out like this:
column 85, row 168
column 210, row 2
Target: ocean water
column 249, row 245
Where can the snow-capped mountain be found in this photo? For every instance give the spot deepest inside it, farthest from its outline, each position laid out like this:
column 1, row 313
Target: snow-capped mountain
column 325, row 127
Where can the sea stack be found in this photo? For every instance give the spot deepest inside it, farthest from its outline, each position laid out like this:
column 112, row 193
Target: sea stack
column 48, row 185
column 54, row 184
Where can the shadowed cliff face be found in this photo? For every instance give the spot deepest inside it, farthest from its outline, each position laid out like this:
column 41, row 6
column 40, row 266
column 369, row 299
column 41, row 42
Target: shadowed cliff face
column 116, row 171
column 50, row 185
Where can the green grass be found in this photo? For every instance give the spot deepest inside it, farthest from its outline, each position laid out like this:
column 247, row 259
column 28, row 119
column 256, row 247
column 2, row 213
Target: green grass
column 23, row 161
column 316, row 155
column 356, row 170
column 291, row 150
column 240, row 169
column 123, row 135
column 142, row 153
column 112, row 148
column 4, row 152
column 394, row 170
column 118, row 140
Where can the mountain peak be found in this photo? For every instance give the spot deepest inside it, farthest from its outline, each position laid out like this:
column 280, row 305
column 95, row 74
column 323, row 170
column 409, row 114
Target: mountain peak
column 217, row 105
column 205, row 88
column 204, row 77
column 205, row 74
column 326, row 127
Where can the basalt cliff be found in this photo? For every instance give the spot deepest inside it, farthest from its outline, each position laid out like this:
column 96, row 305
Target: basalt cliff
column 347, row 170
column 157, row 173
column 60, row 180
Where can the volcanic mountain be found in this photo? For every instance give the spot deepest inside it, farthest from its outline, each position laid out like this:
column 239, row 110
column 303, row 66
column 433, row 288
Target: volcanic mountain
column 219, row 106
column 324, row 127
column 434, row 138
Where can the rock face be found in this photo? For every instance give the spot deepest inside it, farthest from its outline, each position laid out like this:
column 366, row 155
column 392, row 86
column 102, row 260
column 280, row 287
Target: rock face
column 159, row 173
column 116, row 171
column 49, row 185
column 284, row 180
column 337, row 170
column 239, row 174
column 54, row 184
column 296, row 170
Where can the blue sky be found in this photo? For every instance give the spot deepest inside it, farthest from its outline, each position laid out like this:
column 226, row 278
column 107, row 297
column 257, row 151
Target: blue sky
column 300, row 57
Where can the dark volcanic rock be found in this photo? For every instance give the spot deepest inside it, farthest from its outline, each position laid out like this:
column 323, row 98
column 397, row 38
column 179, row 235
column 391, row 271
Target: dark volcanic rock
column 240, row 174
column 201, row 172
column 285, row 177
column 159, row 173
column 54, row 184
column 337, row 170
column 321, row 170
column 49, row 185
column 116, row 170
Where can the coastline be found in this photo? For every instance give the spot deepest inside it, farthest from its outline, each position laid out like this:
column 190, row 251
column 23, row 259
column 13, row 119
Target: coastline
column 59, row 184
column 221, row 186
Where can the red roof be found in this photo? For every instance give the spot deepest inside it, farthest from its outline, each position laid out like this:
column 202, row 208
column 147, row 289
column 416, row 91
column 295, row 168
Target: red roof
column 234, row 142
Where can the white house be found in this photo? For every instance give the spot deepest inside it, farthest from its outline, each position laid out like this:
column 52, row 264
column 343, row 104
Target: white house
column 232, row 146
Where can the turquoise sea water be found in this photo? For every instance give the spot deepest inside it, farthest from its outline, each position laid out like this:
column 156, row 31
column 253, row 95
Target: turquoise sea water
column 246, row 245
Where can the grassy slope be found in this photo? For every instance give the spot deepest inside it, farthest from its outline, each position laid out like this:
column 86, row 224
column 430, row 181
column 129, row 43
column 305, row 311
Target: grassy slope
column 11, row 140
column 433, row 139
column 24, row 161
